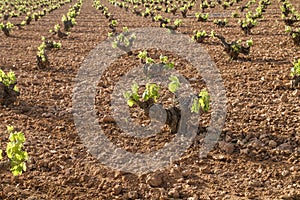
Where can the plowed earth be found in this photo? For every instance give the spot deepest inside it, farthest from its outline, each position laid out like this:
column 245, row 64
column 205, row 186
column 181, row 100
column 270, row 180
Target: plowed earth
column 258, row 153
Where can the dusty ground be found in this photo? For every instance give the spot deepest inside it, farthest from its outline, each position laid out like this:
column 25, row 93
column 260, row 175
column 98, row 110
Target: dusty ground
column 258, row 153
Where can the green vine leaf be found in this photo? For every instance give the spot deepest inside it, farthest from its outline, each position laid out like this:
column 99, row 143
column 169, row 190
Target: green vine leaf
column 174, row 84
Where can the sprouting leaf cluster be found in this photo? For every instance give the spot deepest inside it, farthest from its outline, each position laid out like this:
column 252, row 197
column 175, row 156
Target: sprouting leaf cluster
column 202, row 101
column 295, row 70
column 202, row 17
column 151, row 92
column 163, row 60
column 295, row 73
column 123, row 40
column 6, row 28
column 221, row 23
column 15, row 152
column 9, row 80
column 199, row 36
column 174, row 85
column 294, row 33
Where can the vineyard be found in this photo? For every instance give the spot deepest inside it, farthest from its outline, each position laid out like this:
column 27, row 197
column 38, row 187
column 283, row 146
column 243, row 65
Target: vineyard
column 255, row 46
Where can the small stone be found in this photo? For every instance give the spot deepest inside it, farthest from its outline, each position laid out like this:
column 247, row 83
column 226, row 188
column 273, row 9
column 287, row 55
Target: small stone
column 133, row 195
column 285, row 173
column 154, row 180
column 272, row 144
column 176, row 173
column 187, row 172
column 296, row 93
column 284, row 98
column 244, row 151
column 219, row 157
column 255, row 143
column 285, row 147
column 117, row 189
column 46, row 115
column 226, row 147
column 192, row 198
column 173, row 193
column 255, row 183
column 228, row 138
column 240, row 142
column 108, row 119
column 205, row 170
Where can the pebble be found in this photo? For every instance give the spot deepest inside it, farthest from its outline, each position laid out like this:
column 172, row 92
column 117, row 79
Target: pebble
column 192, row 198
column 272, row 144
column 284, row 98
column 133, row 195
column 255, row 144
column 226, row 147
column 108, row 119
column 219, row 157
column 46, row 115
column 117, row 189
column 176, row 173
column 296, row 93
column 285, row 147
column 173, row 193
column 285, row 173
column 244, row 151
column 187, row 172
column 154, row 180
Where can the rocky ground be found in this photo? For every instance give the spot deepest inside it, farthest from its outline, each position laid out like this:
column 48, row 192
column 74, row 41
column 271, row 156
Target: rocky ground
column 257, row 156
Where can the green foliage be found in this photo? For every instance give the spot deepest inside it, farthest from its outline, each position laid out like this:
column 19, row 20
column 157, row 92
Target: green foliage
column 56, row 45
column 221, row 23
column 202, row 17
column 184, row 10
column 51, row 44
column 114, row 23
column 177, row 22
column 249, row 42
column 295, row 70
column 124, row 40
column 6, row 28
column 133, row 96
column 174, row 84
column 234, row 15
column 199, row 36
column 142, row 55
column 165, row 61
column 225, row 4
column 8, row 79
column 68, row 22
column 14, row 151
column 151, row 92
column 247, row 24
column 56, row 27
column 294, row 33
column 234, row 48
column 41, row 52
column 163, row 21
column 202, row 101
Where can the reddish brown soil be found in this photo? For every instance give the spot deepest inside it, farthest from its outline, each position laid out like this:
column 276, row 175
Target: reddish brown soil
column 262, row 123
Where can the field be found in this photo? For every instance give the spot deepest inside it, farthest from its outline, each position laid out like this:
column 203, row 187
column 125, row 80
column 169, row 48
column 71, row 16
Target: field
column 257, row 155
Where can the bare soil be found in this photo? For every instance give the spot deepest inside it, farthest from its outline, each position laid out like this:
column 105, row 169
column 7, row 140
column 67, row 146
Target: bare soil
column 258, row 154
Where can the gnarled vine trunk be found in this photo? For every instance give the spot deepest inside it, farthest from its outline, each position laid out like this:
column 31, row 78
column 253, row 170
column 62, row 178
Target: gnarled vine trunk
column 7, row 94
